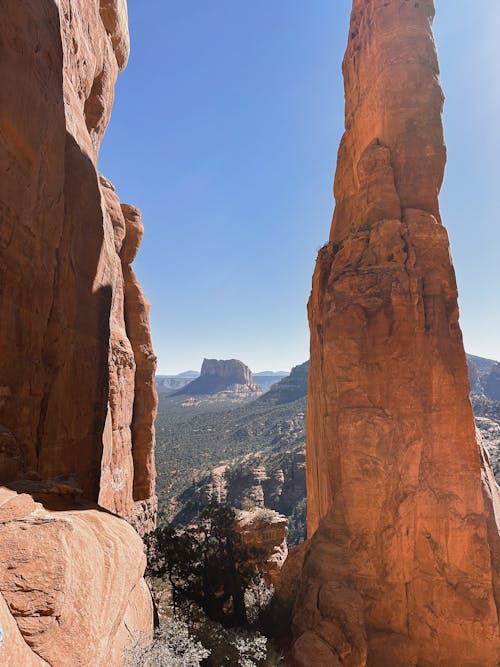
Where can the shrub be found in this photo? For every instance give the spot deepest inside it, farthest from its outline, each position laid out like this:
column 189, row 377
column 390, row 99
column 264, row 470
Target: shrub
column 207, row 563
column 173, row 647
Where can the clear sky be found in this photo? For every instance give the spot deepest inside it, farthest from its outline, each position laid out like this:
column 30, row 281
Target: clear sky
column 225, row 132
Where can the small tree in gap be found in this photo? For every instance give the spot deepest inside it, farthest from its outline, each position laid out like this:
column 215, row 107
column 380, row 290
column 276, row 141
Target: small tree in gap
column 206, row 563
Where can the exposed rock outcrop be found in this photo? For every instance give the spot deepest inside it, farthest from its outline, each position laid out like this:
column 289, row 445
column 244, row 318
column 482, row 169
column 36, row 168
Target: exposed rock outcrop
column 70, row 585
column 225, row 375
column 77, row 396
column 272, row 480
column 263, row 532
column 232, row 370
column 289, row 388
column 403, row 562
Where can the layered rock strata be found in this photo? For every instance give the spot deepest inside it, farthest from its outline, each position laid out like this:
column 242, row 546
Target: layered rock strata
column 402, row 567
column 77, row 395
column 264, row 533
column 224, row 375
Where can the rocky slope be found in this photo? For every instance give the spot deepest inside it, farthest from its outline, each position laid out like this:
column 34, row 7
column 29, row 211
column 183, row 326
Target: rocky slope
column 169, row 384
column 248, row 455
column 274, row 476
column 255, row 457
column 402, row 567
column 77, row 395
column 492, row 383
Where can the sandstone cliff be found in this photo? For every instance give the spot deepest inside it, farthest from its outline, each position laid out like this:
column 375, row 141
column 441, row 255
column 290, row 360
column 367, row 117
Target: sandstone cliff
column 77, row 395
column 224, row 375
column 402, row 567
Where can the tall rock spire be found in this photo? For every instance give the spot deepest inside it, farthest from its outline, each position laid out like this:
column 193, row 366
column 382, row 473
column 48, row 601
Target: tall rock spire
column 403, row 562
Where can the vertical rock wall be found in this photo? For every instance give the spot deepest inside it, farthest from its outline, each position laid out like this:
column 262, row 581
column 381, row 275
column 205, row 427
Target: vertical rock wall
column 77, row 393
column 402, row 566
column 75, row 338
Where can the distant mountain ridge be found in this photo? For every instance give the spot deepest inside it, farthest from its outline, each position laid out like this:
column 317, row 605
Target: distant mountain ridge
column 290, row 388
column 484, row 376
column 170, row 384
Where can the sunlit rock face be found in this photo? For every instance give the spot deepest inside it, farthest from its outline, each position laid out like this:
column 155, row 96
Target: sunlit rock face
column 71, row 585
column 222, row 375
column 75, row 334
column 403, row 562
column 263, row 532
column 77, row 396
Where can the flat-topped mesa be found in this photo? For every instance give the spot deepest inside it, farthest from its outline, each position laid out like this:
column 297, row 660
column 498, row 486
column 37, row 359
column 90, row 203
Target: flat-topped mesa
column 77, row 393
column 403, row 562
column 222, row 375
column 230, row 369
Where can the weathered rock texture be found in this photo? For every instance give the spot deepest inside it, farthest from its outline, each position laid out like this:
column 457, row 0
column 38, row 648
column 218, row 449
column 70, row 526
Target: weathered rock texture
column 74, row 335
column 264, row 533
column 71, row 586
column 224, row 375
column 77, row 396
column 403, row 564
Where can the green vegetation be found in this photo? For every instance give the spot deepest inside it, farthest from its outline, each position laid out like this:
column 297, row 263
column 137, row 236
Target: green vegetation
column 258, row 449
column 206, row 563
column 258, row 445
column 215, row 597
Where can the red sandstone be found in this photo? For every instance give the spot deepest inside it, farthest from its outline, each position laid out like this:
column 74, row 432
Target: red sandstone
column 77, row 393
column 402, row 567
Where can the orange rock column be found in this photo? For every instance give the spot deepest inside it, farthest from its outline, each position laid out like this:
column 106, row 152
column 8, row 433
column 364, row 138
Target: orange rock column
column 402, row 567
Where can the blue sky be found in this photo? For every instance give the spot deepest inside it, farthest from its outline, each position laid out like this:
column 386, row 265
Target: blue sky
column 225, row 132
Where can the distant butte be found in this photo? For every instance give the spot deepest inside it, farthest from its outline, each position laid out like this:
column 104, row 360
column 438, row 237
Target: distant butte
column 217, row 376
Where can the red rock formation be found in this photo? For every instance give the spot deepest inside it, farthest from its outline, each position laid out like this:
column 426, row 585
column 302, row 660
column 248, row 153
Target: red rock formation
column 145, row 400
column 225, row 375
column 230, row 369
column 66, row 598
column 403, row 562
column 77, row 395
column 264, row 532
column 69, row 358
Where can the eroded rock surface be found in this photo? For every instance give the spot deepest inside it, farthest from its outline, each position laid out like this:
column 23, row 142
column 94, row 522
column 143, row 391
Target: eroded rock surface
column 75, row 337
column 222, row 375
column 72, row 581
column 403, row 562
column 264, row 533
column 77, row 397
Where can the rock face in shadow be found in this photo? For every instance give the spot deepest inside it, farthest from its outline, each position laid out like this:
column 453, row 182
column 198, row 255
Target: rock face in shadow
column 77, row 396
column 402, row 567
